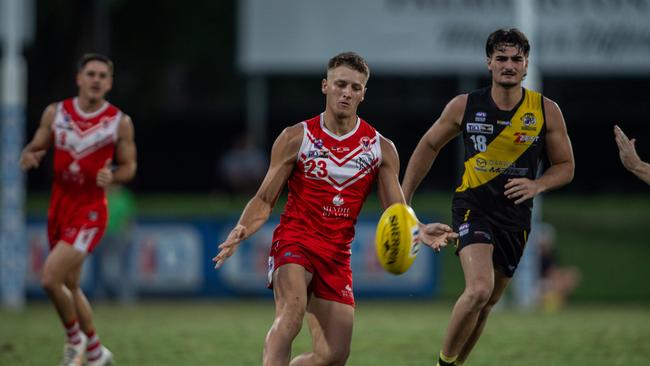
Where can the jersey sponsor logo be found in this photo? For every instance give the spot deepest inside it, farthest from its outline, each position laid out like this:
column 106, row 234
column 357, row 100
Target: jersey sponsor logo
column 318, row 143
column 480, row 116
column 347, row 292
column 339, row 149
column 338, row 200
column 312, row 154
column 84, row 124
column 529, row 122
column 292, row 255
column 481, row 163
column 525, row 139
column 504, row 123
column 74, row 167
column 463, row 229
column 335, row 211
column 520, row 172
column 483, row 128
column 65, row 125
column 365, row 161
column 499, row 167
column 73, row 174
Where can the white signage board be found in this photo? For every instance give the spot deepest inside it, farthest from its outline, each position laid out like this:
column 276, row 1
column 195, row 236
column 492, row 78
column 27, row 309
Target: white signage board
column 440, row 36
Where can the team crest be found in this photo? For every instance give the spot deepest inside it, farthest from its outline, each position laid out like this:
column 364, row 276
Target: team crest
column 529, row 122
column 365, row 143
column 105, row 121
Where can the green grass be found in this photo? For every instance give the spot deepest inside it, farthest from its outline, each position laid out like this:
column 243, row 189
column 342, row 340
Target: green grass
column 386, row 333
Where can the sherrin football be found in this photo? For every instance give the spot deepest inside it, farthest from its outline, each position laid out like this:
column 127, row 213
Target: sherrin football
column 395, row 238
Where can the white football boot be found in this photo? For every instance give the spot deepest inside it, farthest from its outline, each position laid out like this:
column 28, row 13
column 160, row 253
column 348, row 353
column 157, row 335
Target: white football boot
column 73, row 354
column 105, row 359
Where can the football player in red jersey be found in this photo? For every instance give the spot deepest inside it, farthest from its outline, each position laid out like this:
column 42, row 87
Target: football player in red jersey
column 330, row 163
column 93, row 148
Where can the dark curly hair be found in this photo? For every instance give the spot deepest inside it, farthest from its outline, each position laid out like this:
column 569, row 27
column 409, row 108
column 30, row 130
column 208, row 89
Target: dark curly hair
column 507, row 37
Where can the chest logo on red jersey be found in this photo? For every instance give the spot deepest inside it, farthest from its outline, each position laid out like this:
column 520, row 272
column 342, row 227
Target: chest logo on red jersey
column 338, row 200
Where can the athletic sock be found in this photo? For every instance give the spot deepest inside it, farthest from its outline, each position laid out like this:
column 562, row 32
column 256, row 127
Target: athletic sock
column 446, row 360
column 72, row 331
column 94, row 346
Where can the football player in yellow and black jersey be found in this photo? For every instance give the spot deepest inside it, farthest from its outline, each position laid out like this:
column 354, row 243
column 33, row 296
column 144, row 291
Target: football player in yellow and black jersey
column 506, row 130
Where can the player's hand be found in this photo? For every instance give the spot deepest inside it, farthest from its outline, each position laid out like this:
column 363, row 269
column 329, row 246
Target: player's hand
column 626, row 149
column 229, row 246
column 105, row 175
column 435, row 235
column 521, row 189
column 31, row 159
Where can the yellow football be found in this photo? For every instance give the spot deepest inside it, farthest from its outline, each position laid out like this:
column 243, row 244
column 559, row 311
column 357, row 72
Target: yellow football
column 395, row 238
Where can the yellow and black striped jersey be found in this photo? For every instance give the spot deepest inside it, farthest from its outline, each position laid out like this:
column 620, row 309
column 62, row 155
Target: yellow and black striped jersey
column 500, row 145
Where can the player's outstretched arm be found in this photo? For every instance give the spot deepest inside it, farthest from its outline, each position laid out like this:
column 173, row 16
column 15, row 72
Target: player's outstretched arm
column 560, row 155
column 629, row 157
column 444, row 129
column 257, row 211
column 34, row 151
column 434, row 235
column 125, row 157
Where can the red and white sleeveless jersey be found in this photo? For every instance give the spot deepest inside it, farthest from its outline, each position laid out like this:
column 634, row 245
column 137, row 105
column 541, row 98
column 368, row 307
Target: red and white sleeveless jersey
column 83, row 142
column 328, row 186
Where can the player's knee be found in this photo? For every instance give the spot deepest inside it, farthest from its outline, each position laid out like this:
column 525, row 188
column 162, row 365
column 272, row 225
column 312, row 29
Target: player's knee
column 290, row 316
column 478, row 296
column 492, row 301
column 49, row 282
column 333, row 357
column 72, row 283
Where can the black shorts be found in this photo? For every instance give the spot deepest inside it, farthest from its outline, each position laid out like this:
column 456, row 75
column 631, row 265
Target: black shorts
column 473, row 227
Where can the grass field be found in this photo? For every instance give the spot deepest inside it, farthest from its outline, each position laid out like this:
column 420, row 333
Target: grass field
column 386, row 334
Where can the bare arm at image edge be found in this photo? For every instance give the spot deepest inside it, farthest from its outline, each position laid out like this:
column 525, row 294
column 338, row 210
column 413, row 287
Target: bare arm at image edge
column 629, row 157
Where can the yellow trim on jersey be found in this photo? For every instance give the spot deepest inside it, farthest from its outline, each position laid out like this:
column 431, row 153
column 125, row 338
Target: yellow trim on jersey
column 508, row 146
column 467, row 215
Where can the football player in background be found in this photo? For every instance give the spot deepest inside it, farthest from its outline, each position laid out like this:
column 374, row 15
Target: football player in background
column 93, row 148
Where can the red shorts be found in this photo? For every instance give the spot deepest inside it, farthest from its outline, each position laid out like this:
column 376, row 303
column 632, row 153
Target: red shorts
column 332, row 277
column 81, row 225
